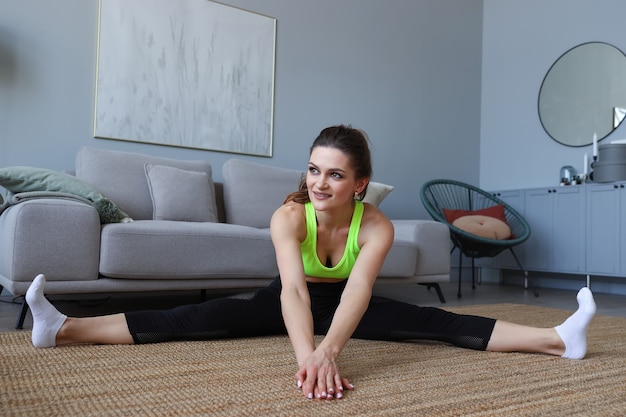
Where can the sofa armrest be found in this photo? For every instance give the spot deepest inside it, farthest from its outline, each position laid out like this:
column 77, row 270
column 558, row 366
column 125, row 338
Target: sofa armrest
column 432, row 240
column 59, row 238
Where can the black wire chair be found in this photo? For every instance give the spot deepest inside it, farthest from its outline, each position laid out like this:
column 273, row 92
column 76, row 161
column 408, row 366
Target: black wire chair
column 440, row 194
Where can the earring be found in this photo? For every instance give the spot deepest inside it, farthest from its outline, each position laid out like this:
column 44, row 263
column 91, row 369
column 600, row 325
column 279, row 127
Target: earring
column 356, row 194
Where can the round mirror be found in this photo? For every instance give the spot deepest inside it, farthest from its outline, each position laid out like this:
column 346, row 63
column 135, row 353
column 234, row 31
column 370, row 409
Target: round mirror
column 584, row 94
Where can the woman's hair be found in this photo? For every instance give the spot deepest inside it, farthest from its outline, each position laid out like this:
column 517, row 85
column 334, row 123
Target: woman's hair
column 351, row 142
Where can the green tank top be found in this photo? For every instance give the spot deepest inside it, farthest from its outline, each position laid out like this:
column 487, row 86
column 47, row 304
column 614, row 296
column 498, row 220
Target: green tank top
column 312, row 265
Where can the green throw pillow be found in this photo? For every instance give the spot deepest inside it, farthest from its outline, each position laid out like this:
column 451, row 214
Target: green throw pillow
column 20, row 179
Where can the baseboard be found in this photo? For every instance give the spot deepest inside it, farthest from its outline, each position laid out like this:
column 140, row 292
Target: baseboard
column 598, row 283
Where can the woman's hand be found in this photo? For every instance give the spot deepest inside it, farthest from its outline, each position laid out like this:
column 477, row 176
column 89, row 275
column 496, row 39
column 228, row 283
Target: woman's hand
column 319, row 377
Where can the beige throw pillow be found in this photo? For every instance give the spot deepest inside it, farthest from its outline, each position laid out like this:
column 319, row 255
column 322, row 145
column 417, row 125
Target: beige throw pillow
column 376, row 193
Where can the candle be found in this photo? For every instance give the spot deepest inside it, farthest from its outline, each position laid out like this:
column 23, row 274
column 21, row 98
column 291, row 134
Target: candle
column 585, row 164
column 595, row 146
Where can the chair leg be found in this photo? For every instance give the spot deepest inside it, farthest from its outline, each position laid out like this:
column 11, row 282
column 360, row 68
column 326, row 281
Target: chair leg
column 473, row 275
column 525, row 272
column 437, row 288
column 19, row 324
column 458, row 294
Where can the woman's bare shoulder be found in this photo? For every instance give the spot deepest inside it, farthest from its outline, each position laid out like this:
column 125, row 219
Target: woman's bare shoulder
column 290, row 217
column 372, row 214
column 374, row 223
column 290, row 210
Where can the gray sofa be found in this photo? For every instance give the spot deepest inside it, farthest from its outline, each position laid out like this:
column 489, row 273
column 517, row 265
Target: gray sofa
column 187, row 232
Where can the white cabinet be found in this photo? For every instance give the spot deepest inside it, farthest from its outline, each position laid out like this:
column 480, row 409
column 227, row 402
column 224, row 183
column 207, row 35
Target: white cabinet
column 578, row 229
column 557, row 220
column 606, row 229
column 622, row 252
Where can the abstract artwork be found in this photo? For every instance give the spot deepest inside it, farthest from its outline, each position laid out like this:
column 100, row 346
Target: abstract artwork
column 188, row 73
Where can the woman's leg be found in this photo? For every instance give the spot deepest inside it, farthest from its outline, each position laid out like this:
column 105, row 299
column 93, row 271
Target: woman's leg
column 211, row 319
column 568, row 339
column 392, row 320
column 51, row 328
column 214, row 319
column 104, row 330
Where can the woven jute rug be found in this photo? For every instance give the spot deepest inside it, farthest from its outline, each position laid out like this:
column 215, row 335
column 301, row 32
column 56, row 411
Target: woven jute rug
column 254, row 377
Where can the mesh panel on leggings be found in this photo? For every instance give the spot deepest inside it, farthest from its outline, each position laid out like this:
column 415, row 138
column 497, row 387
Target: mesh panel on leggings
column 471, row 342
column 393, row 320
column 157, row 337
column 464, row 341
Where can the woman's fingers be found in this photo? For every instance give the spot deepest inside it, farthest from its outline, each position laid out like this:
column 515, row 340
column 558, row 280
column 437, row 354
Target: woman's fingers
column 306, row 382
column 324, row 383
column 300, row 378
column 339, row 386
column 330, row 385
column 321, row 389
column 309, row 385
column 332, row 388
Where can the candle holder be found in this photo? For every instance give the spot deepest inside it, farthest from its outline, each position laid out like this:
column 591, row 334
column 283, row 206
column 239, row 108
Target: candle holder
column 567, row 175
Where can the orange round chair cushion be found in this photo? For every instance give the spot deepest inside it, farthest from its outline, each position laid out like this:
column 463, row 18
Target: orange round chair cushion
column 483, row 226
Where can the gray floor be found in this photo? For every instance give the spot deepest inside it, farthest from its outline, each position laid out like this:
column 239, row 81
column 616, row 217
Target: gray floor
column 486, row 293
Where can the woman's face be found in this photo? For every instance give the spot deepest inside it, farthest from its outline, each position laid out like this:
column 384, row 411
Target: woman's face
column 331, row 179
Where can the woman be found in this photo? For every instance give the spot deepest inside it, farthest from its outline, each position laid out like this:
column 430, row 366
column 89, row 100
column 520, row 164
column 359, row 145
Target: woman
column 330, row 248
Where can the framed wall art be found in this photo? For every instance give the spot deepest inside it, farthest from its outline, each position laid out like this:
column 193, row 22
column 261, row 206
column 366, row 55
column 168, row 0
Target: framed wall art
column 188, row 73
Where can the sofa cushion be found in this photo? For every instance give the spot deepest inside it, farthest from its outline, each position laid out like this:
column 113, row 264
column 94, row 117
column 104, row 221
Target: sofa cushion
column 401, row 259
column 121, row 176
column 60, row 238
column 178, row 194
column 21, row 179
column 155, row 249
column 252, row 192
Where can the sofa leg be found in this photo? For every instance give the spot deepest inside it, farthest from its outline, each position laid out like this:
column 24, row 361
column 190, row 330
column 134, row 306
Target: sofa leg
column 20, row 319
column 437, row 288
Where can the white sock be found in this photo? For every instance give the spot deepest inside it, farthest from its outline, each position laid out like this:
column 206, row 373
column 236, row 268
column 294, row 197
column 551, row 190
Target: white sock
column 47, row 320
column 573, row 331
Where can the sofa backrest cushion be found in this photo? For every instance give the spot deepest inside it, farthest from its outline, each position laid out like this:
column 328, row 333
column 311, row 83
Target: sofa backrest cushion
column 121, row 176
column 252, row 192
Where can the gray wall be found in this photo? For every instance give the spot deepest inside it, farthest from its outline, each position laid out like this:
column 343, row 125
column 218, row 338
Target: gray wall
column 406, row 71
column 521, row 40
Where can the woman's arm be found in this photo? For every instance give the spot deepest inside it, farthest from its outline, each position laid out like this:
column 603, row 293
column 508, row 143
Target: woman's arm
column 288, row 230
column 375, row 239
column 319, row 375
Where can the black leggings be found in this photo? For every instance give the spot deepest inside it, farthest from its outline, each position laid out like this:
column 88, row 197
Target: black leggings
column 261, row 315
